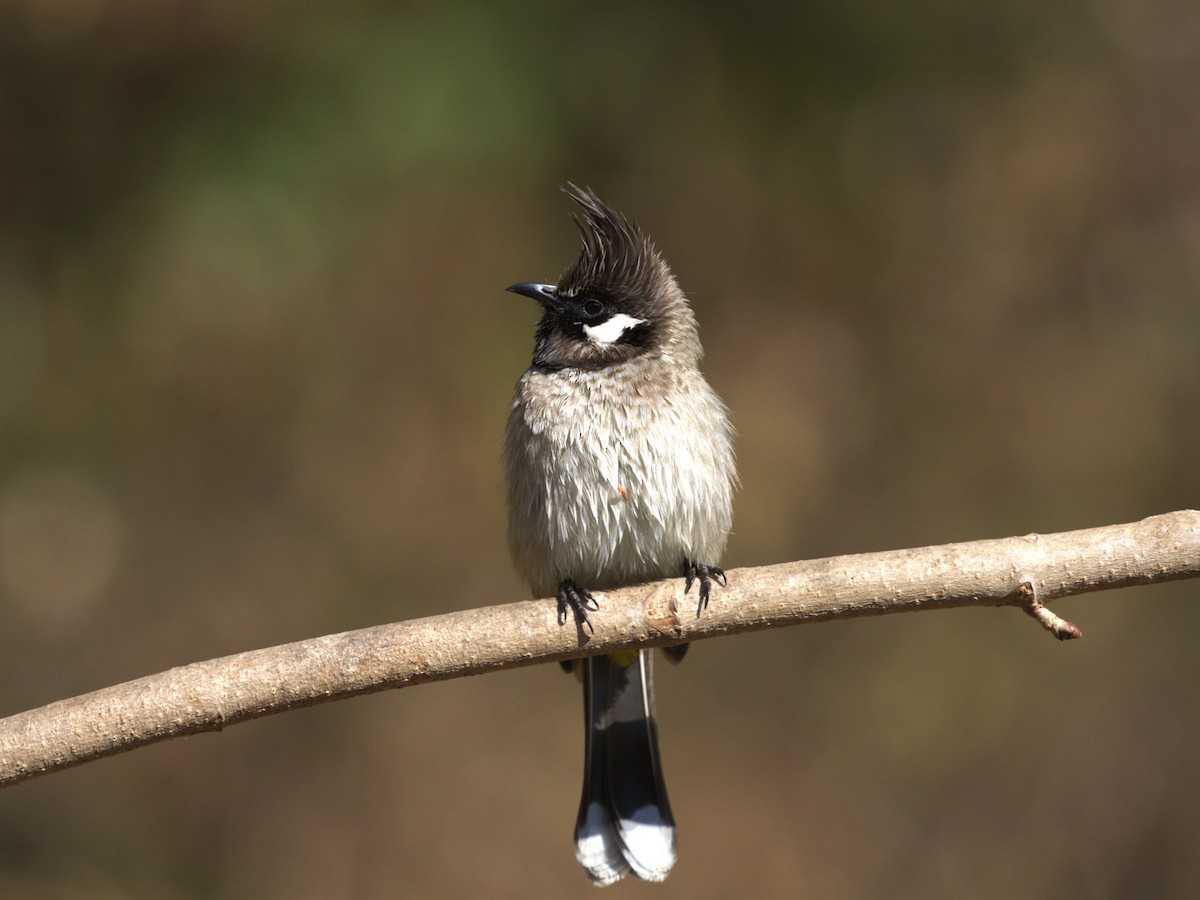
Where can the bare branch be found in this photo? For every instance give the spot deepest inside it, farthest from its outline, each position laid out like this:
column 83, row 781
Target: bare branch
column 1025, row 572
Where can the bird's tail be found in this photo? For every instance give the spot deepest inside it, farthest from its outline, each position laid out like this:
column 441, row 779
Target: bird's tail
column 625, row 820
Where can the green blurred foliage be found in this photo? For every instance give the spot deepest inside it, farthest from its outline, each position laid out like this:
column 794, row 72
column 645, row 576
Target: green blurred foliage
column 255, row 360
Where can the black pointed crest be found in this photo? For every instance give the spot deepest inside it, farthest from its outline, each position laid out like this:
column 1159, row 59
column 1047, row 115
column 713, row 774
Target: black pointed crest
column 616, row 257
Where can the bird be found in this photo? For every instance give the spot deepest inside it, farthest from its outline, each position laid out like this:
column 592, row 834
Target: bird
column 620, row 470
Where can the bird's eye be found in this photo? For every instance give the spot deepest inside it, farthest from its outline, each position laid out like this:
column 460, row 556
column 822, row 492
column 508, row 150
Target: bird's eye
column 592, row 308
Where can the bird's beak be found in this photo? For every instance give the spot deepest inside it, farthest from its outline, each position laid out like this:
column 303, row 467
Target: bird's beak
column 545, row 294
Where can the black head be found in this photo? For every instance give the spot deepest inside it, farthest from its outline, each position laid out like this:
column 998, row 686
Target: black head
column 617, row 301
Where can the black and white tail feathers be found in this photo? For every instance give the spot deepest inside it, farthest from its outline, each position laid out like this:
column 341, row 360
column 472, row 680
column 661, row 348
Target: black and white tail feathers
column 625, row 822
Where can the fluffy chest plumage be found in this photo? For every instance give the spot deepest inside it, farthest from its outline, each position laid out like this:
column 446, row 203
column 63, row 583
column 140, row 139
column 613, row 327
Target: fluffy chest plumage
column 616, row 476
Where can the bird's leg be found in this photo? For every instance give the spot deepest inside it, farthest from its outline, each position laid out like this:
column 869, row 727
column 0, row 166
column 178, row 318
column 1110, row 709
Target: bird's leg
column 577, row 599
column 706, row 575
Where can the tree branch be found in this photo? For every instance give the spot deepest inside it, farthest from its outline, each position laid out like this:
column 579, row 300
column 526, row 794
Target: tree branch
column 1025, row 572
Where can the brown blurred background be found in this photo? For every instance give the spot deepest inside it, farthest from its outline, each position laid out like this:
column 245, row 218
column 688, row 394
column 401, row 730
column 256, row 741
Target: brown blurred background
column 256, row 357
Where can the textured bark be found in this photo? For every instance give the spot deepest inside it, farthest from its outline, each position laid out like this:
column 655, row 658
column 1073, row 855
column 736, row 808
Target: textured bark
column 1025, row 572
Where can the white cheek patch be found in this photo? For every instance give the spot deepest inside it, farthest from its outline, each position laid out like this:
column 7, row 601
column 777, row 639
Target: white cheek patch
column 612, row 329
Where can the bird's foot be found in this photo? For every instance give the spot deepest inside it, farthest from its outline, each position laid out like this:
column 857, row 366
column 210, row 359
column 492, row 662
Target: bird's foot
column 706, row 575
column 578, row 600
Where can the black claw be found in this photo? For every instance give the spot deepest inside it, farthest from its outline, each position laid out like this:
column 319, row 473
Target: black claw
column 693, row 571
column 578, row 600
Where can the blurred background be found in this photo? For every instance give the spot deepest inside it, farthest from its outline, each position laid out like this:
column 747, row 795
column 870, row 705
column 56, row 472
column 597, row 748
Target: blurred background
column 256, row 358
